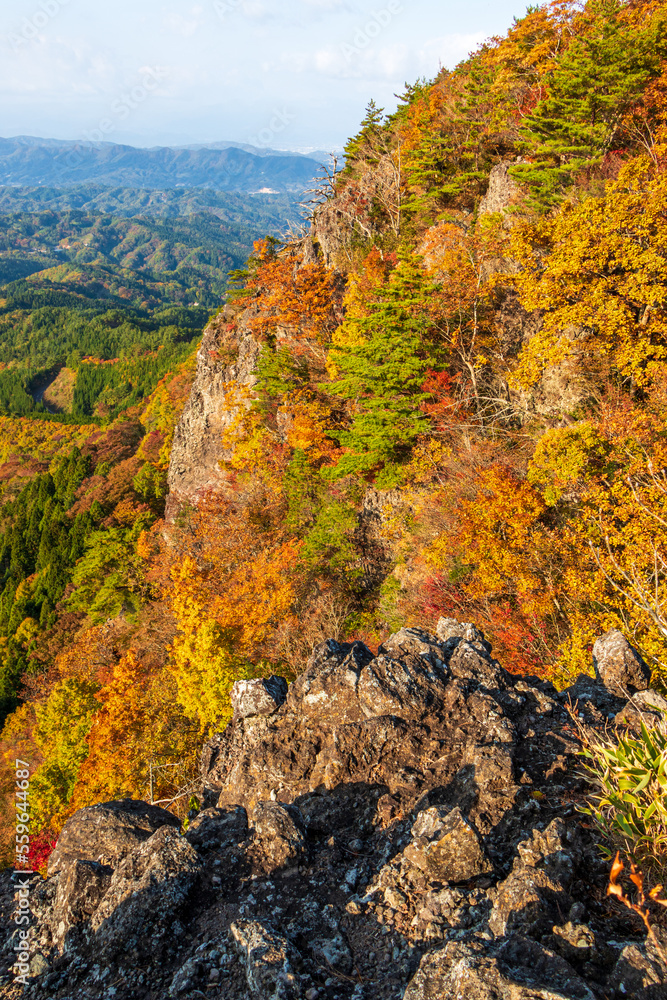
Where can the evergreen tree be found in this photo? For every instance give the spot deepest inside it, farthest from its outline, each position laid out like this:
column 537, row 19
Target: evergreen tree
column 382, row 372
column 369, row 143
column 588, row 93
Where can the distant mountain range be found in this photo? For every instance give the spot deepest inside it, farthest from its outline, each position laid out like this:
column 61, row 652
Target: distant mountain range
column 33, row 162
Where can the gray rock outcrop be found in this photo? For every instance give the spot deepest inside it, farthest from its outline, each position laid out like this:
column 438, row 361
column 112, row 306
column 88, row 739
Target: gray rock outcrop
column 402, row 825
column 619, row 666
column 223, row 383
column 106, row 833
column 258, row 697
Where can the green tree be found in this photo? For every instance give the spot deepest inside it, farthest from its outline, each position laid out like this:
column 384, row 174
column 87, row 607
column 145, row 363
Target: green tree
column 592, row 87
column 369, row 140
column 381, row 359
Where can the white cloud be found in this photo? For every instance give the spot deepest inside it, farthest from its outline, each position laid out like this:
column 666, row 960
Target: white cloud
column 185, row 26
column 230, row 61
column 358, row 59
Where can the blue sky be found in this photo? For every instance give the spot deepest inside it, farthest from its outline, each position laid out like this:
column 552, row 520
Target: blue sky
column 290, row 74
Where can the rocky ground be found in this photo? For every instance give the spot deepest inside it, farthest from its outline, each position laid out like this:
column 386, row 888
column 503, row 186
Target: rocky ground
column 400, row 825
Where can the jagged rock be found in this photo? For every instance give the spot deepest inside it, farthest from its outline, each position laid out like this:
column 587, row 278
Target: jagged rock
column 327, row 689
column 269, row 961
column 279, row 832
column 647, row 706
column 527, row 901
column 471, row 662
column 618, row 665
column 146, row 893
column 81, row 885
column 258, row 697
column 108, row 832
column 226, row 363
column 414, row 645
column 446, row 847
column 407, row 690
column 535, row 894
column 575, row 942
column 449, row 628
column 350, row 735
column 551, row 849
column 216, row 827
column 639, row 973
column 469, row 969
column 458, row 762
column 501, row 192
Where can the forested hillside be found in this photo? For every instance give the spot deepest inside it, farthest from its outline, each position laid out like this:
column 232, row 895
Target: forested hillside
column 446, row 396
column 78, row 287
column 28, row 161
column 268, row 211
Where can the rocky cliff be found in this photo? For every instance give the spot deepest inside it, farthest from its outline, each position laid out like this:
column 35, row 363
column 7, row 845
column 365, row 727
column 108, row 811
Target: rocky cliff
column 227, row 358
column 225, row 365
column 402, row 824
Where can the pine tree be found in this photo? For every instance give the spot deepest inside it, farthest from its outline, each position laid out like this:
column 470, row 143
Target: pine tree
column 369, row 141
column 382, row 370
column 590, row 90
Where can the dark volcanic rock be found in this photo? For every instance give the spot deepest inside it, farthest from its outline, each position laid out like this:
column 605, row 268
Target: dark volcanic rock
column 446, row 847
column 279, row 833
column 215, row 827
column 258, row 697
column 619, row 666
column 469, row 969
column 648, row 706
column 108, row 832
column 145, row 896
column 268, row 960
column 402, row 825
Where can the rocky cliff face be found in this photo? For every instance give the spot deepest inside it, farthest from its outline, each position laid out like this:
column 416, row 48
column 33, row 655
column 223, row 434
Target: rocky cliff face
column 394, row 825
column 225, row 364
column 228, row 354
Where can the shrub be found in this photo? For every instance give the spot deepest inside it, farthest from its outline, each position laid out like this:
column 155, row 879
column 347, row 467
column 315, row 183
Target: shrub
column 629, row 807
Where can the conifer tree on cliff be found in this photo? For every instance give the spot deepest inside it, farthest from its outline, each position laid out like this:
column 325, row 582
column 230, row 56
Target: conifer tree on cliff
column 594, row 85
column 381, row 369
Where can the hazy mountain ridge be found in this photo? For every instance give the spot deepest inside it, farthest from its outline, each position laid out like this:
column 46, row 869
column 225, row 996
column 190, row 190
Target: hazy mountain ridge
column 28, row 162
column 273, row 211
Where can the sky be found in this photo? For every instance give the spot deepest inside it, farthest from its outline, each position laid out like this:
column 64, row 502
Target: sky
column 283, row 74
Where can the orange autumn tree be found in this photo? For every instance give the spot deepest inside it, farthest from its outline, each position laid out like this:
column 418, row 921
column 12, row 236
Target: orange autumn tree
column 115, row 765
column 138, row 724
column 502, row 538
column 285, row 293
column 466, row 265
column 607, row 486
column 230, row 603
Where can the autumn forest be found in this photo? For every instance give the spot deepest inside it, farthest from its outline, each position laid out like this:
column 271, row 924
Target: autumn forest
column 444, row 394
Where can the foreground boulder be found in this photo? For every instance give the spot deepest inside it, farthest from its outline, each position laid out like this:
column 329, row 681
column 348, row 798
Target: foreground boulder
column 401, row 825
column 258, row 697
column 619, row 666
column 446, row 847
column 123, row 914
column 521, row 970
column 106, row 833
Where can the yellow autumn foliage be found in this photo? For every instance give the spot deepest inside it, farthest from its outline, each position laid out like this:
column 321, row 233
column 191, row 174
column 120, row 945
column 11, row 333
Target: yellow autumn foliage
column 598, row 270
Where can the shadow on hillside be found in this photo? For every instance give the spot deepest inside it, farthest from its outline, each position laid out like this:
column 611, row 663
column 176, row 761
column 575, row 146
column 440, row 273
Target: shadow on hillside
column 345, row 813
